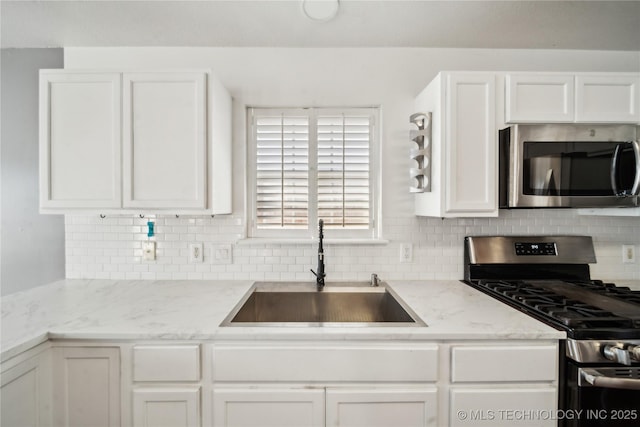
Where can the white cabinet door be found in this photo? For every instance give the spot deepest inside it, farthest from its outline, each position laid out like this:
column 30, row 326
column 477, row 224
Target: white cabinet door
column 268, row 408
column 382, row 408
column 608, row 98
column 164, row 140
column 464, row 146
column 471, row 172
column 513, row 407
column 25, row 395
column 79, row 140
column 86, row 386
column 166, row 407
column 539, row 98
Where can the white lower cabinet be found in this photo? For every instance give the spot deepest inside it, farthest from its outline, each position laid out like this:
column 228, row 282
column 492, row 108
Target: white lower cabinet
column 508, row 383
column 166, row 407
column 166, row 387
column 86, row 386
column 372, row 384
column 505, row 406
column 268, row 407
column 332, row 407
column 507, row 363
column 165, row 363
column 25, row 393
column 282, row 384
column 404, row 407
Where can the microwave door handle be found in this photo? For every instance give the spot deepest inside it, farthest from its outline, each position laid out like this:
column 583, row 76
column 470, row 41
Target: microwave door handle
column 614, row 169
column 635, row 190
column 597, row 379
column 615, row 160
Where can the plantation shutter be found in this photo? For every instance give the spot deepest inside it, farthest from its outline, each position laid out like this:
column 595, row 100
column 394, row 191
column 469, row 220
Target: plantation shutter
column 343, row 143
column 282, row 171
column 310, row 164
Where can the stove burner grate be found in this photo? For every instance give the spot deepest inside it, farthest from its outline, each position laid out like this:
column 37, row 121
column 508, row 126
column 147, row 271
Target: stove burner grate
column 571, row 312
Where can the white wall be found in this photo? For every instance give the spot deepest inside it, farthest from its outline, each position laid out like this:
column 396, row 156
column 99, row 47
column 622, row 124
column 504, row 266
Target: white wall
column 32, row 244
column 389, row 77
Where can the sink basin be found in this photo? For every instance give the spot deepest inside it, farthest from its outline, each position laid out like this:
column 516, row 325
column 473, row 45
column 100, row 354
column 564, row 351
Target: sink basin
column 338, row 304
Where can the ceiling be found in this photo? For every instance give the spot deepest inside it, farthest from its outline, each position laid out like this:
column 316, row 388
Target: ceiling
column 518, row 24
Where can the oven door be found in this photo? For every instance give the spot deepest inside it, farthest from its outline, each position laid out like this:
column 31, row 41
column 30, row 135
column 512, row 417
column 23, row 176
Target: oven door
column 605, row 395
column 570, row 174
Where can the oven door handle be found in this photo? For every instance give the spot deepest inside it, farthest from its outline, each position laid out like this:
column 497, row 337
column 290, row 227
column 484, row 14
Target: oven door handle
column 597, row 379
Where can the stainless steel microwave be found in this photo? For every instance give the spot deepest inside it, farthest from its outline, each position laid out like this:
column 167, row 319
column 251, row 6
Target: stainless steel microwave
column 569, row 166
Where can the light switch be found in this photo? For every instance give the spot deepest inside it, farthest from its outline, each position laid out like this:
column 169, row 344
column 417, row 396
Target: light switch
column 221, row 254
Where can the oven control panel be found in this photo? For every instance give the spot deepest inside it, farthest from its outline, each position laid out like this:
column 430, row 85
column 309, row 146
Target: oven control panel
column 540, row 248
column 529, row 250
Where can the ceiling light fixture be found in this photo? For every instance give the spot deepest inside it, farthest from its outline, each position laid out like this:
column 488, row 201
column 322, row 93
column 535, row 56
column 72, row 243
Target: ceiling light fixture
column 320, row 10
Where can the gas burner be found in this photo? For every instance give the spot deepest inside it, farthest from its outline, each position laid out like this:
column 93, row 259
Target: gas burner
column 573, row 312
column 568, row 311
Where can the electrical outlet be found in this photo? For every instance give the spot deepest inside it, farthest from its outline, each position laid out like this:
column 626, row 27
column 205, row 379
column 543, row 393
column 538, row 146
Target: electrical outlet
column 628, row 254
column 149, row 251
column 196, row 254
column 406, row 252
column 221, row 254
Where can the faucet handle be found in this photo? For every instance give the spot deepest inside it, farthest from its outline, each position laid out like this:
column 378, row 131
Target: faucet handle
column 374, row 280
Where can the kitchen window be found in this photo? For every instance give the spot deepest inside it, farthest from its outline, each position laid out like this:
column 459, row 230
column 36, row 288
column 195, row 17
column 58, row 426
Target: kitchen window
column 308, row 164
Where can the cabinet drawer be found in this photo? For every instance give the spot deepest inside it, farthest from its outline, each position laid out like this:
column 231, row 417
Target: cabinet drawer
column 325, row 363
column 166, row 363
column 504, row 363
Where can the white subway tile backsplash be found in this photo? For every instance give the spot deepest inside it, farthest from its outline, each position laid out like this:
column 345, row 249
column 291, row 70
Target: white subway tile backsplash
column 110, row 248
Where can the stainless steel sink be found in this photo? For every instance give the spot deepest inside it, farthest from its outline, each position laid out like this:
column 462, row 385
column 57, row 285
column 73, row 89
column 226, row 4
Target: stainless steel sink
column 338, row 304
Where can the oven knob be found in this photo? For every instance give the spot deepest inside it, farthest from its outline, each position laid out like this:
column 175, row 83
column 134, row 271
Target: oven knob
column 617, row 354
column 634, row 350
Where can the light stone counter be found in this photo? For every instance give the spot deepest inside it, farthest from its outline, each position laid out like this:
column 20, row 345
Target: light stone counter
column 193, row 310
column 631, row 284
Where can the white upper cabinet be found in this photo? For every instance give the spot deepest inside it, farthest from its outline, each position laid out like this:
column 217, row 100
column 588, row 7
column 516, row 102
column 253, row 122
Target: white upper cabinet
column 165, row 140
column 464, row 146
column 134, row 142
column 572, row 98
column 80, row 140
column 539, row 97
column 608, row 98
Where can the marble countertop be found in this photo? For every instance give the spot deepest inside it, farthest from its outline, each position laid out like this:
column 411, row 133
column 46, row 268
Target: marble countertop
column 193, row 310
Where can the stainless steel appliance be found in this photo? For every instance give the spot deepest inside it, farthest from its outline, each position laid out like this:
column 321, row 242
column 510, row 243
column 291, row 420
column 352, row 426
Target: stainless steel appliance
column 569, row 166
column 548, row 278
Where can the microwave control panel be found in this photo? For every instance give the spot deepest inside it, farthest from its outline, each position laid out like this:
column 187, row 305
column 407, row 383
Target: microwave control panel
column 541, row 248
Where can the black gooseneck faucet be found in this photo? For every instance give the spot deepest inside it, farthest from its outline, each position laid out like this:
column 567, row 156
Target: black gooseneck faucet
column 320, row 274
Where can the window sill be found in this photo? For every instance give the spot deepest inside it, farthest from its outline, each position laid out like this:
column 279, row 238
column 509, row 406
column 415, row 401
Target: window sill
column 256, row 241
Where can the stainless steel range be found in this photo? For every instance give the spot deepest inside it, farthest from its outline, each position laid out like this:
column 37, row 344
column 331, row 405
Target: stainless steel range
column 548, row 278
